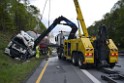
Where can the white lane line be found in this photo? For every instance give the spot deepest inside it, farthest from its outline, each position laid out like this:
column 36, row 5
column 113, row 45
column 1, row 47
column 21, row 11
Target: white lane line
column 90, row 76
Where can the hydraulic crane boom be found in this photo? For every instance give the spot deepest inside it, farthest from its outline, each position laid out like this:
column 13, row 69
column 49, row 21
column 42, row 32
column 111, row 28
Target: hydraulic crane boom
column 80, row 18
column 52, row 26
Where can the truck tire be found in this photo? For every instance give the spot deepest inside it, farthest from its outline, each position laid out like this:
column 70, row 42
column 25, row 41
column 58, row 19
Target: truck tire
column 60, row 53
column 80, row 62
column 74, row 59
column 63, row 57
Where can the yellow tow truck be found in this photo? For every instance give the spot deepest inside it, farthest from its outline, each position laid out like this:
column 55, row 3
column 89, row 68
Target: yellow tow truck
column 84, row 51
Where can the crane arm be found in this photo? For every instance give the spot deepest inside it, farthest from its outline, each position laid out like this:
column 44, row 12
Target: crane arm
column 80, row 18
column 52, row 26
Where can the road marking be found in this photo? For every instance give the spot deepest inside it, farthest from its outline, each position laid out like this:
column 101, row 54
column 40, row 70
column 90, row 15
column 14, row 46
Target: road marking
column 90, row 76
column 42, row 73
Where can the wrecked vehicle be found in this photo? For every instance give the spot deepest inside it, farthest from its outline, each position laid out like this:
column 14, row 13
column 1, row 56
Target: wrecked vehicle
column 21, row 46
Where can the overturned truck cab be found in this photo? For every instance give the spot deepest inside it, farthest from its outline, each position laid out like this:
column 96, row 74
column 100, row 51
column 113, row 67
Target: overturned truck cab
column 21, row 46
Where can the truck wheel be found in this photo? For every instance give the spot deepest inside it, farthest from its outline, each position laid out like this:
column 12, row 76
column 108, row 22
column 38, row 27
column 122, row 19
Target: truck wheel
column 73, row 59
column 80, row 62
column 62, row 56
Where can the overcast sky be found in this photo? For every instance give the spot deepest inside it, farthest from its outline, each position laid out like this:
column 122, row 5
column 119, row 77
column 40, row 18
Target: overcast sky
column 93, row 10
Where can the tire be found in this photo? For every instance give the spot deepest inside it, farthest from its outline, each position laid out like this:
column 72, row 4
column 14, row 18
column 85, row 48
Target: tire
column 80, row 62
column 62, row 56
column 74, row 59
column 60, row 53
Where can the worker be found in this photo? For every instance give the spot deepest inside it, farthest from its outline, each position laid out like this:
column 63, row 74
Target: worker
column 37, row 51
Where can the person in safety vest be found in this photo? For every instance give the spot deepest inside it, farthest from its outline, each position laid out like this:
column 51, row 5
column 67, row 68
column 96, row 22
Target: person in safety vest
column 37, row 51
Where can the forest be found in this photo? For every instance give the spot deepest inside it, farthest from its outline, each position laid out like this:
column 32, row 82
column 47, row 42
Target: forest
column 114, row 21
column 16, row 15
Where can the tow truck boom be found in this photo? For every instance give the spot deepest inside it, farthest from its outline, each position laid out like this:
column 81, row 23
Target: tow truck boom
column 57, row 21
column 80, row 18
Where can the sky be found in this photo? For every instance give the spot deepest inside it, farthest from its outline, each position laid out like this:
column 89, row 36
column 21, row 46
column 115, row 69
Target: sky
column 93, row 10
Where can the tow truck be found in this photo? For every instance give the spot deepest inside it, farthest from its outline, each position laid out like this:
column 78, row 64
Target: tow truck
column 84, row 51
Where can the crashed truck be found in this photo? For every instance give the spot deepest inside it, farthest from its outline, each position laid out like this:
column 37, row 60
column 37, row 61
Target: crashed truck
column 23, row 45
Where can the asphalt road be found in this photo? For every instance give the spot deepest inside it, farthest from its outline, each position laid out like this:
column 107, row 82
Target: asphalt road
column 58, row 71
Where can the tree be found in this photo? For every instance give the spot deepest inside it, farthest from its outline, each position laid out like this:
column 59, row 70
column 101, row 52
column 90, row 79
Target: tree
column 114, row 22
column 16, row 16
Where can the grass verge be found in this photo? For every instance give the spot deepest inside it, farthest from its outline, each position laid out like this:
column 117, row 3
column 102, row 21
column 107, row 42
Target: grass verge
column 11, row 70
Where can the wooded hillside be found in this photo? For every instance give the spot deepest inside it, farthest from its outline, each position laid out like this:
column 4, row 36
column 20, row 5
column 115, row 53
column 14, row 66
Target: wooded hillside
column 16, row 15
column 114, row 21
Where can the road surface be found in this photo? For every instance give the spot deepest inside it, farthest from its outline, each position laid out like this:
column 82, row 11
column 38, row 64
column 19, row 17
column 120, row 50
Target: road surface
column 58, row 71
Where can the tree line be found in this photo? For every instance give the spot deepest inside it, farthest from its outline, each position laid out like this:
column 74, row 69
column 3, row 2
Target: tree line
column 114, row 21
column 16, row 15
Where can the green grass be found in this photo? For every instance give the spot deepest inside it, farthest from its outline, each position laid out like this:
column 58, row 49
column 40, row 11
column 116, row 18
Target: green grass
column 11, row 70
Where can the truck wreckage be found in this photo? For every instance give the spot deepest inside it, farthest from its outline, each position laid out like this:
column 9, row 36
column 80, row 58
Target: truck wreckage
column 23, row 45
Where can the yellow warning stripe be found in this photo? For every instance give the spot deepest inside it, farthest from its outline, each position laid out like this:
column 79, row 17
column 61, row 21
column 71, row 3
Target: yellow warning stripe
column 42, row 73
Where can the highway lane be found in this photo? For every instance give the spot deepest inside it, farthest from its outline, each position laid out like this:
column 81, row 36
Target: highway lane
column 58, row 71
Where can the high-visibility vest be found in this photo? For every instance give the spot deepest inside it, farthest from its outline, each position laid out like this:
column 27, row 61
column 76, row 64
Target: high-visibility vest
column 37, row 52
